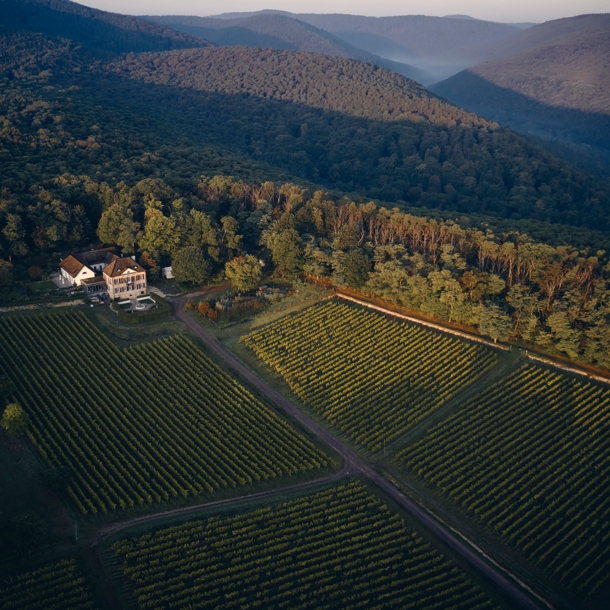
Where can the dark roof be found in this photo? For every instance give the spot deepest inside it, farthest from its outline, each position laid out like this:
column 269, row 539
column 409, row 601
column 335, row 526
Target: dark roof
column 96, row 257
column 120, row 265
column 71, row 265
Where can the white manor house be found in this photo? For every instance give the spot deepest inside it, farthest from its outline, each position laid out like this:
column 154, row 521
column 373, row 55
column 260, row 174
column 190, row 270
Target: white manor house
column 102, row 273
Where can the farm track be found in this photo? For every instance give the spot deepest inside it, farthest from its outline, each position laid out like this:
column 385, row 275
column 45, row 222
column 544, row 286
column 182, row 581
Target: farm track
column 176, row 512
column 355, row 464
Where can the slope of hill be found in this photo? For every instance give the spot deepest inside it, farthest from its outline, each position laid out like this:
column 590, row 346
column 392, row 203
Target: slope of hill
column 358, row 128
column 70, row 135
column 539, row 35
column 440, row 46
column 558, row 88
column 277, row 31
column 97, row 30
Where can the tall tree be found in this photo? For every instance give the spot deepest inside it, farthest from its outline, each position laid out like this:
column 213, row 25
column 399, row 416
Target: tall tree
column 189, row 265
column 244, row 272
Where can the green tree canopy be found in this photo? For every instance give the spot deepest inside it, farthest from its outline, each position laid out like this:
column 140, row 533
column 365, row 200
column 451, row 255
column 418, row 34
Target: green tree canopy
column 244, row 272
column 161, row 235
column 285, row 248
column 117, row 226
column 356, row 268
column 189, row 265
column 14, row 420
column 495, row 323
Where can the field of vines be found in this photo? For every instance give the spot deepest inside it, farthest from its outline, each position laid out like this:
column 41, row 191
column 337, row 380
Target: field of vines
column 55, row 587
column 530, row 457
column 143, row 425
column 339, row 548
column 371, row 376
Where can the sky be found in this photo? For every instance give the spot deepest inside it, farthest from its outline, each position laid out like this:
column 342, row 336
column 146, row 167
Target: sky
column 507, row 11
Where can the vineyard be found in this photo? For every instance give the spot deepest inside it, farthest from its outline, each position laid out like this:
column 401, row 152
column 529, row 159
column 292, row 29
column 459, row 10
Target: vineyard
column 339, row 548
column 372, row 377
column 530, row 457
column 54, row 587
column 144, row 425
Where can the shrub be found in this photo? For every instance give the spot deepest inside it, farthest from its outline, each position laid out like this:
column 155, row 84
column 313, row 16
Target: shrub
column 14, row 420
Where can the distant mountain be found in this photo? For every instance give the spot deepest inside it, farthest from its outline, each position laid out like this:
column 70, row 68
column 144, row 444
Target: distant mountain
column 438, row 46
column 552, row 80
column 459, row 17
column 429, row 38
column 521, row 26
column 538, row 35
column 322, row 120
column 94, row 29
column 278, row 31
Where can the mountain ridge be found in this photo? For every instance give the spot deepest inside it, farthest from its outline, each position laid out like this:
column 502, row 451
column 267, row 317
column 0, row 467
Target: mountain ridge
column 556, row 82
column 278, row 31
column 97, row 30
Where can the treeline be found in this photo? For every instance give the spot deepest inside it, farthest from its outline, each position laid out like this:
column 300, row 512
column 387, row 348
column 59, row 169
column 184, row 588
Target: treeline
column 507, row 286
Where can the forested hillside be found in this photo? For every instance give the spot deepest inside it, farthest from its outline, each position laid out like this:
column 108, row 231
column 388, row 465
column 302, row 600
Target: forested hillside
column 362, row 129
column 419, row 36
column 124, row 152
column 272, row 31
column 552, row 80
column 541, row 34
column 281, row 32
column 91, row 28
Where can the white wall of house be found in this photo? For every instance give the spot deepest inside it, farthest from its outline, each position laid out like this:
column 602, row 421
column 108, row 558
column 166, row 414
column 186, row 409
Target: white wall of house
column 83, row 274
column 66, row 277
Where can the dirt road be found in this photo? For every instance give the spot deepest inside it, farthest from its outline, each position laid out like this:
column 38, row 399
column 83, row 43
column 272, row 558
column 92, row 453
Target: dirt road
column 117, row 527
column 354, row 464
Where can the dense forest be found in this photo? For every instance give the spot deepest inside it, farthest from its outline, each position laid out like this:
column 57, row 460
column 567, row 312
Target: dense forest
column 507, row 286
column 362, row 129
column 276, row 31
column 123, row 152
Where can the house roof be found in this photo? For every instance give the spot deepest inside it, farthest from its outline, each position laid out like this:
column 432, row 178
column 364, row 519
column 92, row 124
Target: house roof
column 98, row 279
column 120, row 266
column 71, row 265
column 95, row 257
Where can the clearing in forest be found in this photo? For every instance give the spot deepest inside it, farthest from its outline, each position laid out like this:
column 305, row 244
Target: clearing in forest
column 530, row 457
column 371, row 376
column 339, row 548
column 143, row 425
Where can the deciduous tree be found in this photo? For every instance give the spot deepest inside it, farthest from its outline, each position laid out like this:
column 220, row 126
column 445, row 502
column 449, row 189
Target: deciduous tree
column 14, row 420
column 244, row 272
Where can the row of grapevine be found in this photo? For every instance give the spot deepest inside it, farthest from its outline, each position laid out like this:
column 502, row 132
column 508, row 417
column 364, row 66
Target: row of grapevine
column 371, row 376
column 339, row 548
column 56, row 586
column 156, row 421
column 530, row 457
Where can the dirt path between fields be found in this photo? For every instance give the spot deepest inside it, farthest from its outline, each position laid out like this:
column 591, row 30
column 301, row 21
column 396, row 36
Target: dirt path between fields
column 117, row 527
column 354, row 464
